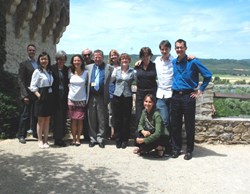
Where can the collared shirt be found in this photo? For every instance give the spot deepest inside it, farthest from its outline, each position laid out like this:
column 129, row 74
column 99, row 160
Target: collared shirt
column 123, row 82
column 33, row 62
column 186, row 75
column 165, row 73
column 40, row 79
column 112, row 83
column 101, row 76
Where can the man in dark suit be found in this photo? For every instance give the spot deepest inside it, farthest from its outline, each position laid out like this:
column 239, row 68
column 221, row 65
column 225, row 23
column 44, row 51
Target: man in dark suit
column 27, row 119
column 98, row 98
column 87, row 58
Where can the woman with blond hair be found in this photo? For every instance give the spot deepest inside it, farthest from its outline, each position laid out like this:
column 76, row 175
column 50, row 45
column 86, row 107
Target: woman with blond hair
column 113, row 59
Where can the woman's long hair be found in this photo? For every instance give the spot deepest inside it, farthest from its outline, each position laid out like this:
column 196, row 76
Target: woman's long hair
column 48, row 68
column 72, row 67
column 153, row 99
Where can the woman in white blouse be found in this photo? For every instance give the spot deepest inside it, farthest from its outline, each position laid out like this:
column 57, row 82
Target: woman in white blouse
column 77, row 96
column 41, row 85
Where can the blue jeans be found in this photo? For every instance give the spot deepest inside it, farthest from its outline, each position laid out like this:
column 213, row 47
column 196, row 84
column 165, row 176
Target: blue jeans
column 163, row 105
column 183, row 105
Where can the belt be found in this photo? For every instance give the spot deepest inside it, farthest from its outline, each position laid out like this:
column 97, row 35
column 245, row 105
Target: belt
column 183, row 92
column 145, row 90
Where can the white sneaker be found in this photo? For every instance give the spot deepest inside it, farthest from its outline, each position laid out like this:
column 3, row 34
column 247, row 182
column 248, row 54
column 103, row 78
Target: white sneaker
column 40, row 144
column 45, row 145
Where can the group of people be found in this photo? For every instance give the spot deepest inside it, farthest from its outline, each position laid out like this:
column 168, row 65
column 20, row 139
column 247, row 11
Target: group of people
column 96, row 96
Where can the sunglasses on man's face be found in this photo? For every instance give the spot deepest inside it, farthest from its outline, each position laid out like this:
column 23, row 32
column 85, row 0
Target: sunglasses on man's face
column 86, row 55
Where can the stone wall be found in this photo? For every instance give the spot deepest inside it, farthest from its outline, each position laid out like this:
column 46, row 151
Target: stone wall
column 223, row 131
column 41, row 22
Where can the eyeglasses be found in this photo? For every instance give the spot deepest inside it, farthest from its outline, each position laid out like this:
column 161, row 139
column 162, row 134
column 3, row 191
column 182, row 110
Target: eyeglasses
column 85, row 55
column 179, row 47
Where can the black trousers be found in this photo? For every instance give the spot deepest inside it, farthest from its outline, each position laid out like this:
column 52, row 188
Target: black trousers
column 183, row 105
column 122, row 107
column 59, row 119
column 161, row 141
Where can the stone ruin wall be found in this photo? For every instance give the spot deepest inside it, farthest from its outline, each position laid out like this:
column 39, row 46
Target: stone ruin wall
column 218, row 130
column 40, row 22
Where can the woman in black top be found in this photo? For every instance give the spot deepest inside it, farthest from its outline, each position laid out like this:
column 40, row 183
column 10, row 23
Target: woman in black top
column 146, row 79
column 60, row 88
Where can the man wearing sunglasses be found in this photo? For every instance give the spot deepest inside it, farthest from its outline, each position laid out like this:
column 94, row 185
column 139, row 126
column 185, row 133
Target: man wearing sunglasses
column 87, row 56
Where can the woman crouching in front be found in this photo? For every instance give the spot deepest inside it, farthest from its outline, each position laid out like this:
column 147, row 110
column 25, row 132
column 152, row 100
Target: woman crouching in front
column 151, row 131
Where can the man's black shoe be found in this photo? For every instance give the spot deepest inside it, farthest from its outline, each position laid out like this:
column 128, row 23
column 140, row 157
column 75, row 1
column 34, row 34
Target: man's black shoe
column 101, row 145
column 118, row 144
column 91, row 144
column 188, row 156
column 60, row 143
column 175, row 154
column 124, row 145
column 22, row 140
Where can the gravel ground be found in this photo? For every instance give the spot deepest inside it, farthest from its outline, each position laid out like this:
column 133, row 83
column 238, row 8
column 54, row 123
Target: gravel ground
column 24, row 169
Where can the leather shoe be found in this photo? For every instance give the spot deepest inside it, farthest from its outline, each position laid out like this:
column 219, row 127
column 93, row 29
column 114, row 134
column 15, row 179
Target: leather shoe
column 118, row 144
column 22, row 140
column 188, row 156
column 60, row 143
column 124, row 145
column 175, row 154
column 101, row 145
column 91, row 144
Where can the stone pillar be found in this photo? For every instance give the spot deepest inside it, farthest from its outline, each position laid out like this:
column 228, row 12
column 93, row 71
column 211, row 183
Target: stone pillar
column 204, row 104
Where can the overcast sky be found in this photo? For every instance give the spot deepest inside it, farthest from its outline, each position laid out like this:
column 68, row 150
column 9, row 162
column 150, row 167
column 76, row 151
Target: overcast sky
column 217, row 29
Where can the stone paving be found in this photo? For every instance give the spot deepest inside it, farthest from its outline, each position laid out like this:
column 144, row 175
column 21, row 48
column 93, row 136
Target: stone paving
column 24, row 168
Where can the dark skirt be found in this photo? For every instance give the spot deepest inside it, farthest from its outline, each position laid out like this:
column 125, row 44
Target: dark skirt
column 45, row 105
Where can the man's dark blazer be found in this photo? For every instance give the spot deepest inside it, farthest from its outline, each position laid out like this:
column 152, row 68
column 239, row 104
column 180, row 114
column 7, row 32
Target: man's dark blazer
column 24, row 78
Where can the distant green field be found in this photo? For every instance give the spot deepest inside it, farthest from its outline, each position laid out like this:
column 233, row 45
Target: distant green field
column 233, row 78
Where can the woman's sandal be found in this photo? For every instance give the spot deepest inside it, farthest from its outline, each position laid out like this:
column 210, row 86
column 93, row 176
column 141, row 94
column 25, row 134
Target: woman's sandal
column 136, row 151
column 77, row 143
column 160, row 151
column 72, row 143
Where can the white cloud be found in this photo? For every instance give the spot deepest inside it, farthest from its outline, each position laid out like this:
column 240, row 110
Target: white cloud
column 208, row 27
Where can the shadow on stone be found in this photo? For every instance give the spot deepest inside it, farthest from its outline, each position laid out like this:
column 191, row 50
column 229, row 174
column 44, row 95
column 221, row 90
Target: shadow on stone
column 45, row 172
column 200, row 151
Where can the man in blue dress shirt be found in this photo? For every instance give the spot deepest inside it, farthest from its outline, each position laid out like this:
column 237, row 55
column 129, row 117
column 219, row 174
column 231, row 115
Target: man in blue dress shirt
column 185, row 91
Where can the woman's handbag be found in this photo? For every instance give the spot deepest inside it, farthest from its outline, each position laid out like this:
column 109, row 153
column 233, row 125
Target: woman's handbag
column 148, row 126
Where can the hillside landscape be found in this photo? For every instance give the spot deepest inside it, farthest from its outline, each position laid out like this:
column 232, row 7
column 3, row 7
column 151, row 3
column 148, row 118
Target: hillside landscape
column 217, row 66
